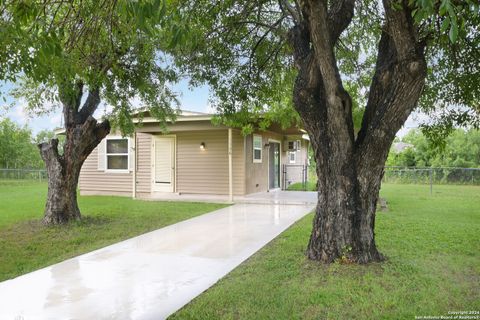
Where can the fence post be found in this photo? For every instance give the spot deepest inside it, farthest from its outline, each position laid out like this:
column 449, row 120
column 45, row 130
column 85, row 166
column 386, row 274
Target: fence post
column 304, row 177
column 431, row 180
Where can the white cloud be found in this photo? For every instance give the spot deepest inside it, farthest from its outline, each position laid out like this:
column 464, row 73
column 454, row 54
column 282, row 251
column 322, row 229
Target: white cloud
column 17, row 112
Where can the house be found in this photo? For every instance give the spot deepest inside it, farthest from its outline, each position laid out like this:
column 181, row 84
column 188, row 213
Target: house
column 194, row 157
column 399, row 147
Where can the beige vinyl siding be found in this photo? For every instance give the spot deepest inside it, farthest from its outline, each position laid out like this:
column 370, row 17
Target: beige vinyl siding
column 256, row 178
column 301, row 155
column 295, row 171
column 197, row 171
column 238, row 157
column 94, row 181
column 206, row 171
column 144, row 164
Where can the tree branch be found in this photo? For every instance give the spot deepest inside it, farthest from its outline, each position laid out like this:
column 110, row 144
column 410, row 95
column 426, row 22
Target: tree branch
column 340, row 15
column 70, row 95
column 396, row 86
column 90, row 105
column 49, row 153
column 287, row 8
column 323, row 46
column 337, row 100
column 401, row 29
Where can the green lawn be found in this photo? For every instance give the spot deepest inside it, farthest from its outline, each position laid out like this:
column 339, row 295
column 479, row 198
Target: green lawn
column 309, row 186
column 27, row 245
column 432, row 244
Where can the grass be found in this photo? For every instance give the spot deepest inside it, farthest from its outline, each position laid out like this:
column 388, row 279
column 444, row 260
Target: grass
column 432, row 243
column 310, row 186
column 27, row 245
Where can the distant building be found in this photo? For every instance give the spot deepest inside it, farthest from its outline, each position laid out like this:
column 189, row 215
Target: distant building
column 399, row 147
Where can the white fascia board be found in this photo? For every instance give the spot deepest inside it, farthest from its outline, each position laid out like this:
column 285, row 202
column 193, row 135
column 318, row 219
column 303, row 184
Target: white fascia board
column 179, row 119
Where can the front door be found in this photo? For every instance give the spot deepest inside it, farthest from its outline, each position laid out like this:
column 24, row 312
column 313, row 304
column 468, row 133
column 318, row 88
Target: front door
column 274, row 165
column 163, row 164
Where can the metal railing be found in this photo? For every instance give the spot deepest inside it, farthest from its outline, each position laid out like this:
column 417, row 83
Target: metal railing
column 294, row 173
column 23, row 174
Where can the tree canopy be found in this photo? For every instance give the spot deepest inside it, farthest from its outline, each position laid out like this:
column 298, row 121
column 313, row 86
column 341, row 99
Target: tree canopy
column 108, row 51
column 18, row 148
column 353, row 70
column 462, row 149
column 53, row 49
column 241, row 49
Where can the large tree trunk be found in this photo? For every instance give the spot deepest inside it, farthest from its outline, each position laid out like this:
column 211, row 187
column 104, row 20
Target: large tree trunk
column 349, row 167
column 83, row 134
column 343, row 226
column 61, row 204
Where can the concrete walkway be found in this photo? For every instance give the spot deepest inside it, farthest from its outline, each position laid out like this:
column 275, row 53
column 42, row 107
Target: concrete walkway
column 150, row 276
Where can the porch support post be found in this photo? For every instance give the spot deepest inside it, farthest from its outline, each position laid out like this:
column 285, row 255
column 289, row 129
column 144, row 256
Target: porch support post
column 230, row 166
column 134, row 174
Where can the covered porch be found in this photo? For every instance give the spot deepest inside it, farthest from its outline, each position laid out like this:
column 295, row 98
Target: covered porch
column 269, row 197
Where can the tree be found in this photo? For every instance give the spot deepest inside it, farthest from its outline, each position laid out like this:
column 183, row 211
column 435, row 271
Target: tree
column 321, row 54
column 76, row 54
column 460, row 149
column 17, row 149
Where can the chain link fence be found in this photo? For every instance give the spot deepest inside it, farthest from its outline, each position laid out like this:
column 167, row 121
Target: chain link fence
column 303, row 178
column 432, row 176
column 299, row 174
column 23, row 175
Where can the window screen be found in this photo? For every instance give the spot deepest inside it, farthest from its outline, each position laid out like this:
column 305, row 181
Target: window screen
column 117, row 154
column 257, row 148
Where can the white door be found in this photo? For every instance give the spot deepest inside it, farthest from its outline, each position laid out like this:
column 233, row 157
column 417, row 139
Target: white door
column 163, row 164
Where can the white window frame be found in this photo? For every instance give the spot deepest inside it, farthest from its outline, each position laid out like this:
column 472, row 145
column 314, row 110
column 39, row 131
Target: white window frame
column 117, row 154
column 256, row 148
column 294, row 153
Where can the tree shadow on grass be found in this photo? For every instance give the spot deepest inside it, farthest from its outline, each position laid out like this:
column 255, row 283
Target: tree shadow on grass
column 34, row 226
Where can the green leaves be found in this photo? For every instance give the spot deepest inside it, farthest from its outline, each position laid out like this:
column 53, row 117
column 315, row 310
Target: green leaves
column 433, row 148
column 17, row 149
column 112, row 45
column 447, row 17
column 453, row 33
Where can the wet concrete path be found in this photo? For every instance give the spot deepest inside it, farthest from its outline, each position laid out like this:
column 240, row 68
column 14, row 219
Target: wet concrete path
column 150, row 276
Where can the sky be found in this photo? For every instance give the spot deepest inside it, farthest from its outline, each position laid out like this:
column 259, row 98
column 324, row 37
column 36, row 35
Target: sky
column 192, row 99
column 195, row 99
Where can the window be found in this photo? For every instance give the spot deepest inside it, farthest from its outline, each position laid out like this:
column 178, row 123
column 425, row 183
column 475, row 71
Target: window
column 294, row 145
column 291, row 145
column 292, row 157
column 117, row 154
column 257, row 149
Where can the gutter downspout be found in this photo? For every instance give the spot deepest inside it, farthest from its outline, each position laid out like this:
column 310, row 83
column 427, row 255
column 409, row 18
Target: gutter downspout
column 134, row 175
column 230, row 166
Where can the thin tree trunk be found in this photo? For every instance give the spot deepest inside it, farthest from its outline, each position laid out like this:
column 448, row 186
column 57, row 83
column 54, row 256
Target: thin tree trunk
column 83, row 134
